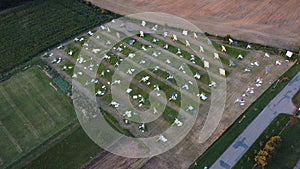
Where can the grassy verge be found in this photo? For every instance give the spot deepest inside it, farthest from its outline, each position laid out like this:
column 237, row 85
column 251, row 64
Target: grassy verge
column 219, row 146
column 242, row 44
column 72, row 50
column 231, row 51
column 279, row 123
column 296, row 99
column 68, row 67
column 114, row 123
column 288, row 152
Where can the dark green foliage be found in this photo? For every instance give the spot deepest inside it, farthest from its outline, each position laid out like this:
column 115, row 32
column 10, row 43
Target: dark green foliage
column 33, row 28
column 72, row 152
column 4, row 4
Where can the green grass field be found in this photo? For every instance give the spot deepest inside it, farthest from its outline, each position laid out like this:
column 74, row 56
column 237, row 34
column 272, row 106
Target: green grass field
column 219, row 146
column 72, row 152
column 39, row 25
column 288, row 153
column 31, row 112
column 230, row 51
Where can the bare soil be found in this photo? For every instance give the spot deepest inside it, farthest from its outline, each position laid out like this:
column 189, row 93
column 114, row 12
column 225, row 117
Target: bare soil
column 271, row 22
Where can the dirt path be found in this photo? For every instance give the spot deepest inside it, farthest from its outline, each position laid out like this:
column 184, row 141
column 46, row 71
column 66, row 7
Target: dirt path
column 105, row 161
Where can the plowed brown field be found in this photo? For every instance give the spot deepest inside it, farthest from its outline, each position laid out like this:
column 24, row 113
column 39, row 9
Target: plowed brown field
column 271, row 22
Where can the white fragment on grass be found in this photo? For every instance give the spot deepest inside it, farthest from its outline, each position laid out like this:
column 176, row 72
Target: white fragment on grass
column 289, row 54
column 185, row 32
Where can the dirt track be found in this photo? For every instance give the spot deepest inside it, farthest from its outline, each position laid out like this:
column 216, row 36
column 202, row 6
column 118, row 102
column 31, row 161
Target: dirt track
column 275, row 23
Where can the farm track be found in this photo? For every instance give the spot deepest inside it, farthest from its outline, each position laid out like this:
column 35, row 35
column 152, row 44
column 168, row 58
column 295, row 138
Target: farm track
column 104, row 161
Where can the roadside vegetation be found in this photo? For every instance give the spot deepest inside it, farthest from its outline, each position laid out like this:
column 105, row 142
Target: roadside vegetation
column 220, row 145
column 296, row 99
column 276, row 148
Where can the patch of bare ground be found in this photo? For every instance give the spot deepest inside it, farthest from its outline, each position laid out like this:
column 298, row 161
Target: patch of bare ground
column 107, row 160
column 271, row 22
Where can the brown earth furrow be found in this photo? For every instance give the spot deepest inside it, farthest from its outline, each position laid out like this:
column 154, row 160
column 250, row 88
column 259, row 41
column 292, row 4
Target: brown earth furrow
column 272, row 22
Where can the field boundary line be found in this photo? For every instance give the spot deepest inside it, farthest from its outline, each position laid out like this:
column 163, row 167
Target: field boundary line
column 44, row 99
column 42, row 148
column 28, row 124
column 40, row 106
column 11, row 139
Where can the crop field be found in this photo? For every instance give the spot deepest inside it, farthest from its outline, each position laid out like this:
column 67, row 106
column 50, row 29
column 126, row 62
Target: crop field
column 77, row 146
column 6, row 4
column 152, row 48
column 38, row 25
column 34, row 112
column 31, row 112
column 259, row 22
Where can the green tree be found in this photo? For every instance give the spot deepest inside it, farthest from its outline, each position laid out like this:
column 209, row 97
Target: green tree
column 102, row 10
column 266, row 153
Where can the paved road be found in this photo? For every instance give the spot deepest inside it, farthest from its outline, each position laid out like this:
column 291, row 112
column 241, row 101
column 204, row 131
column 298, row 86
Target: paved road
column 297, row 165
column 280, row 104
